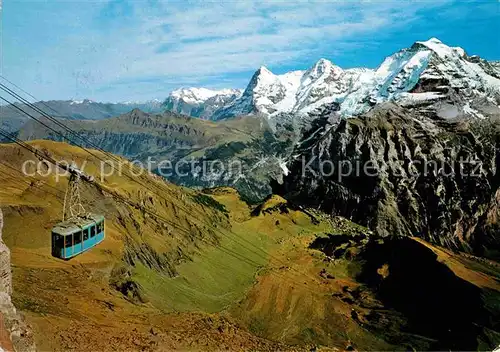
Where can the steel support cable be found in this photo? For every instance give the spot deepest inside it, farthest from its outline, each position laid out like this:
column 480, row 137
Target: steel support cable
column 187, row 211
column 111, row 156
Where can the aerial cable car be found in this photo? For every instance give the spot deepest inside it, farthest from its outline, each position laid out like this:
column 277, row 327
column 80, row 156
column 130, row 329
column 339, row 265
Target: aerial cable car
column 79, row 230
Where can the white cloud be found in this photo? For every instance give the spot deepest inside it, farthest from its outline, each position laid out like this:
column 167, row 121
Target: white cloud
column 166, row 45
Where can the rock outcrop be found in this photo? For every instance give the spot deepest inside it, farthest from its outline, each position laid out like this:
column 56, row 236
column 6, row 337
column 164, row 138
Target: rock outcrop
column 403, row 173
column 15, row 334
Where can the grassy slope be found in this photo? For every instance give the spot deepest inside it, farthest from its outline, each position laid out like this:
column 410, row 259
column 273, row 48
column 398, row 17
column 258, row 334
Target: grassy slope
column 291, row 302
column 55, row 294
column 244, row 278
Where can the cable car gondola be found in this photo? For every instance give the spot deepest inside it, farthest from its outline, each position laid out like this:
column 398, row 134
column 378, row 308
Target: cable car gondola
column 73, row 237
column 79, row 230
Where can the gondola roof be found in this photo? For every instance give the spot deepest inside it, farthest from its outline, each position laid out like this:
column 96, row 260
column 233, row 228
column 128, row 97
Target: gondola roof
column 75, row 225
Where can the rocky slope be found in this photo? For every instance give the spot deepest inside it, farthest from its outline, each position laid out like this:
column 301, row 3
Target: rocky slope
column 403, row 172
column 187, row 270
column 14, row 332
column 242, row 152
column 199, row 102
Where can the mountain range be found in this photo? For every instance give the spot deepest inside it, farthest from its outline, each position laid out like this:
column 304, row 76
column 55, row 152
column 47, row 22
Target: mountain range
column 311, row 251
column 199, row 102
column 292, row 110
column 13, row 116
column 425, row 73
column 428, row 71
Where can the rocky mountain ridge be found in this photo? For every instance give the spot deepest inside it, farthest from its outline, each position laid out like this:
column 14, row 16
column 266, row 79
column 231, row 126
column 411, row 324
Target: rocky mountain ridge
column 246, row 151
column 14, row 332
column 403, row 173
column 425, row 72
column 199, row 102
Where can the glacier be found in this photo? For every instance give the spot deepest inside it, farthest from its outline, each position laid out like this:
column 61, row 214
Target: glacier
column 427, row 72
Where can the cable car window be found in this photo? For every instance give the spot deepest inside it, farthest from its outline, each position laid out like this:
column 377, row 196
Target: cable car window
column 86, row 234
column 58, row 241
column 100, row 227
column 92, row 231
column 77, row 237
column 69, row 240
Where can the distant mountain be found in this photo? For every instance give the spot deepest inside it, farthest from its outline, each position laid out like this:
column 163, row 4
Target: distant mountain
column 12, row 118
column 245, row 147
column 294, row 92
column 199, row 102
column 426, row 72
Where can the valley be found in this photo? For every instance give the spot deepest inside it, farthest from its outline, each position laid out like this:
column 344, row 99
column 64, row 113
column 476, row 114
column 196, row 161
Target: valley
column 248, row 152
column 323, row 209
column 180, row 269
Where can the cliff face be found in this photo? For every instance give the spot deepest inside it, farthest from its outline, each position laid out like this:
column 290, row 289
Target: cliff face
column 14, row 333
column 402, row 172
column 5, row 276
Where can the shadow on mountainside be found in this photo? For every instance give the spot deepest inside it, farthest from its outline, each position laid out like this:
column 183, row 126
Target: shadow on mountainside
column 445, row 310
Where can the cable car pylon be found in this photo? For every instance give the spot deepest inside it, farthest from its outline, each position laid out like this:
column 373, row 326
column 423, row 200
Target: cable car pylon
column 73, row 207
column 79, row 230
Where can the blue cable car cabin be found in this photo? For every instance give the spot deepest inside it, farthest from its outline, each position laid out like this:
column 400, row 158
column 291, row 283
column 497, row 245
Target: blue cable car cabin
column 73, row 237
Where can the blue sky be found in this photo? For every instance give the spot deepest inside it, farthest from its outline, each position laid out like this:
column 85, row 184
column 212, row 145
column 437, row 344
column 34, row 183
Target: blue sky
column 137, row 50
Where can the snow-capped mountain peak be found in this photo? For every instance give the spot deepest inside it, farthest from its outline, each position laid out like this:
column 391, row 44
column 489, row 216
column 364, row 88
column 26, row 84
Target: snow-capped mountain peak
column 323, row 66
column 441, row 49
column 263, row 70
column 200, row 95
column 199, row 102
column 262, row 78
column 426, row 72
column 292, row 92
